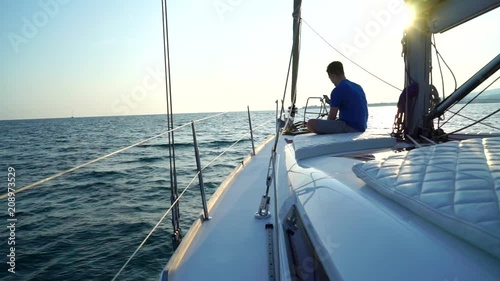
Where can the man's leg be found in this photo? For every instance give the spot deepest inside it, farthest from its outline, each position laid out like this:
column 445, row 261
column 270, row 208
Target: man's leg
column 312, row 124
column 320, row 126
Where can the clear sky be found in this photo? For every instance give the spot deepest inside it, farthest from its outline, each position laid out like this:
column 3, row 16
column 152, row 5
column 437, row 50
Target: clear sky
column 104, row 57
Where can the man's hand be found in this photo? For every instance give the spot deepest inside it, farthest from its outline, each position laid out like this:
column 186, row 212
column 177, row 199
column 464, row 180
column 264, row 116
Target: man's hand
column 327, row 99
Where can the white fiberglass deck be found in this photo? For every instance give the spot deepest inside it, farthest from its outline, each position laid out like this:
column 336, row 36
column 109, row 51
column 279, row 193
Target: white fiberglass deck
column 370, row 237
column 357, row 233
column 233, row 244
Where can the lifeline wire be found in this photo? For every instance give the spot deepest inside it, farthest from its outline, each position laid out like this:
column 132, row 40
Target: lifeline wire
column 103, row 157
column 231, row 146
column 177, row 200
column 152, row 230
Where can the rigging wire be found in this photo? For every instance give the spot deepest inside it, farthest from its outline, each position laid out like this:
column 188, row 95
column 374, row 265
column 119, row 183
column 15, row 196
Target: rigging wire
column 472, row 119
column 433, row 42
column 364, row 69
column 465, row 105
column 176, row 201
column 131, row 146
column 438, row 54
column 470, row 125
column 103, row 157
column 439, row 57
column 168, row 94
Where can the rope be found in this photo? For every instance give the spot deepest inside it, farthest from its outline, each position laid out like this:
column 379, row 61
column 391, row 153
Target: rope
column 174, row 203
column 103, row 157
column 349, row 58
column 286, row 85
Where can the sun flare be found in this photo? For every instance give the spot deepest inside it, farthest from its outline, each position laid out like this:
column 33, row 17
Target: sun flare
column 409, row 15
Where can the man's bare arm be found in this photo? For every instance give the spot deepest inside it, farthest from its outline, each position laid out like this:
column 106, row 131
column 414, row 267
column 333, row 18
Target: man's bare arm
column 332, row 115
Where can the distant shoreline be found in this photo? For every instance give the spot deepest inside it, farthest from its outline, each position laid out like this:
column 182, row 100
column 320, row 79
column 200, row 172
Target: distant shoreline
column 383, row 104
column 395, row 103
column 460, row 102
column 477, row 101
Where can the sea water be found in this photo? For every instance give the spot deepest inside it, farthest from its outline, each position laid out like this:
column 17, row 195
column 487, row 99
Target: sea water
column 84, row 225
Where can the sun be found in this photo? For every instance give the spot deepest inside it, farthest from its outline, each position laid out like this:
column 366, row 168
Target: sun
column 409, row 15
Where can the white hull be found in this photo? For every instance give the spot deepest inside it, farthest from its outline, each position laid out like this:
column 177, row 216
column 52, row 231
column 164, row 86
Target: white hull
column 356, row 233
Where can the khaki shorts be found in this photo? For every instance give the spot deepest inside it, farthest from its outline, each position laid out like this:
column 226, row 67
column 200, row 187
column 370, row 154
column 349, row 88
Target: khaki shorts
column 333, row 127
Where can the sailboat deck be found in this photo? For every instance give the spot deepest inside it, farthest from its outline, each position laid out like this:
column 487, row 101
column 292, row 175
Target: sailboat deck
column 365, row 235
column 233, row 244
column 370, row 237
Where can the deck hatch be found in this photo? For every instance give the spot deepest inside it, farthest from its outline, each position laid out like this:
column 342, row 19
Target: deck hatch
column 304, row 262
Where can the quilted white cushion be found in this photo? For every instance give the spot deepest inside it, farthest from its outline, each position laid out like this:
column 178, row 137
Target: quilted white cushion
column 455, row 185
column 311, row 145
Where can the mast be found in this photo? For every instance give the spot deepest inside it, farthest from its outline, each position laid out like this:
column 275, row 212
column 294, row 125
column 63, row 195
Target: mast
column 297, row 4
column 433, row 16
column 417, row 42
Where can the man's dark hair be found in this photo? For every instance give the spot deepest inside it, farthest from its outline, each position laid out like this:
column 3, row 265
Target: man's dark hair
column 336, row 68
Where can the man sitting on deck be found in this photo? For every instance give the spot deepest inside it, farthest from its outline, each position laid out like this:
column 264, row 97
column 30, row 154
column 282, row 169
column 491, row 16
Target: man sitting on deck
column 348, row 98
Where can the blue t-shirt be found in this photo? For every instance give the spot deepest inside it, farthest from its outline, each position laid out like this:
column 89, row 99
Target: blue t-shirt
column 350, row 99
